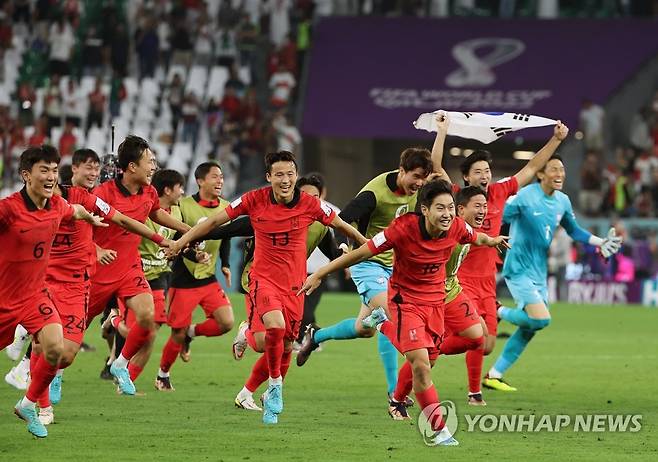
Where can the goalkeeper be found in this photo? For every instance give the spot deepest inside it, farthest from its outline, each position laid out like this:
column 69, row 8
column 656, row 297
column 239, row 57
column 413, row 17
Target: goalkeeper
column 533, row 214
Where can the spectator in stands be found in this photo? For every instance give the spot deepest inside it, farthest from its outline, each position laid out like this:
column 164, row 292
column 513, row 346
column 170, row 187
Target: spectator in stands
column 92, row 52
column 26, row 99
column 53, row 104
column 118, row 94
column 279, row 13
column 643, row 205
column 40, row 134
column 282, row 83
column 287, row 136
column 226, row 48
column 230, row 163
column 247, row 39
column 147, row 45
column 6, row 33
column 639, row 134
column 235, row 82
column 119, row 44
column 74, row 103
column 303, row 40
column 644, row 166
column 96, row 105
column 191, row 113
column 589, row 196
column 203, row 45
column 250, row 112
column 68, row 141
column 288, row 54
column 591, row 124
column 231, row 104
column 181, row 44
column 175, row 98
column 164, row 40
column 61, row 41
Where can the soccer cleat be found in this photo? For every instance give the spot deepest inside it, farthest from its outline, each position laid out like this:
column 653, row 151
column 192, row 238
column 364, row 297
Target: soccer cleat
column 273, row 399
column 247, row 402
column 29, row 415
column 55, row 392
column 444, row 438
column 240, row 341
column 105, row 373
column 408, row 401
column 496, row 384
column 18, row 378
column 270, row 418
column 398, row 411
column 14, row 350
column 308, row 346
column 126, row 386
column 475, row 399
column 377, row 317
column 87, row 348
column 163, row 384
column 46, row 415
column 185, row 353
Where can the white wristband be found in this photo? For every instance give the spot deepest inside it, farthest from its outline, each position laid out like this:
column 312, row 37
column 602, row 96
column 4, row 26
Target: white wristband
column 595, row 241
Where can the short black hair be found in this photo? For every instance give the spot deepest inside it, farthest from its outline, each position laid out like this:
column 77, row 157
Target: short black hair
column 413, row 158
column 465, row 194
column 280, row 156
column 311, row 179
column 477, row 156
column 204, row 168
column 35, row 154
column 80, row 156
column 131, row 150
column 431, row 189
column 65, row 175
column 553, row 157
column 166, row 178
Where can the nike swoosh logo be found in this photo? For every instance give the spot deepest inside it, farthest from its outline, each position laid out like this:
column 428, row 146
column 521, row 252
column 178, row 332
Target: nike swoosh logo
column 537, row 213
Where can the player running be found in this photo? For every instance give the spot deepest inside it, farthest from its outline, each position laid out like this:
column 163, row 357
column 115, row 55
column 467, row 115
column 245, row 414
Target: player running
column 423, row 244
column 280, row 215
column 534, row 214
column 29, row 220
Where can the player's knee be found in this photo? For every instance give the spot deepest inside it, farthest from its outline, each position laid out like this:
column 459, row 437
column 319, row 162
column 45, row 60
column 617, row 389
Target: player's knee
column 53, row 353
column 476, row 343
column 539, row 324
column 178, row 335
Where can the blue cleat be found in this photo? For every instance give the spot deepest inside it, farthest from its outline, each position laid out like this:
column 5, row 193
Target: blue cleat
column 270, row 418
column 126, row 386
column 377, row 317
column 55, row 392
column 273, row 399
column 29, row 415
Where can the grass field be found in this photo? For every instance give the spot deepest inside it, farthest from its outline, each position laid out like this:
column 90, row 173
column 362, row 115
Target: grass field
column 591, row 360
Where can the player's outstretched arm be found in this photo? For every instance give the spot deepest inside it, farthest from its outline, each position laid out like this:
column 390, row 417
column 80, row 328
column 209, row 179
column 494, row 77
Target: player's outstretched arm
column 163, row 218
column 135, row 227
column 442, row 124
column 200, row 230
column 81, row 213
column 608, row 246
column 528, row 172
column 348, row 230
column 486, row 240
column 345, row 261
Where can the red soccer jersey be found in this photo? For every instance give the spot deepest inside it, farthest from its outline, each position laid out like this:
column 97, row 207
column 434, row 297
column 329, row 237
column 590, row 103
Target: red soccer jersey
column 73, row 251
column 419, row 267
column 137, row 206
column 481, row 261
column 28, row 234
column 280, row 231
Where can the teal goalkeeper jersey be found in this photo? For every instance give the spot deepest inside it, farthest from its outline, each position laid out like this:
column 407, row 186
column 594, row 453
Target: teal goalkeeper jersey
column 533, row 217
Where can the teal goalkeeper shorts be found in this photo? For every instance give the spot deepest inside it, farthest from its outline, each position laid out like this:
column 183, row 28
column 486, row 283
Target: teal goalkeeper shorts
column 370, row 278
column 525, row 291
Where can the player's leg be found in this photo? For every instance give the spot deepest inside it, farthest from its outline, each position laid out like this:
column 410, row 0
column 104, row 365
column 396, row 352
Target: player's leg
column 245, row 334
column 275, row 329
column 311, row 303
column 259, row 372
column 219, row 317
column 463, row 321
column 138, row 362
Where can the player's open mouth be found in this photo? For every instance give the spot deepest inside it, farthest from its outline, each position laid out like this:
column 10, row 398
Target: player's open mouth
column 48, row 187
column 484, row 184
column 558, row 183
column 479, row 219
column 445, row 222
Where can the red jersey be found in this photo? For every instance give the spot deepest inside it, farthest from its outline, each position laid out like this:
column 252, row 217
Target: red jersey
column 136, row 206
column 419, row 267
column 481, row 261
column 74, row 252
column 28, row 234
column 280, row 231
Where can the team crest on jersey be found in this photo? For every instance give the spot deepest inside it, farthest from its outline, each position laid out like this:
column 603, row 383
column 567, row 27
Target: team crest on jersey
column 294, row 222
column 402, row 210
column 413, row 335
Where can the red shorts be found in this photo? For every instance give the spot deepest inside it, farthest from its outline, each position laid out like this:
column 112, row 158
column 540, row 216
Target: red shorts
column 33, row 314
column 460, row 314
column 265, row 298
column 482, row 292
column 182, row 303
column 71, row 300
column 160, row 314
column 255, row 323
column 418, row 326
column 131, row 284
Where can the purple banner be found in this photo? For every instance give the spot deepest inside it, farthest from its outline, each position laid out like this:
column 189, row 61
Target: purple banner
column 371, row 77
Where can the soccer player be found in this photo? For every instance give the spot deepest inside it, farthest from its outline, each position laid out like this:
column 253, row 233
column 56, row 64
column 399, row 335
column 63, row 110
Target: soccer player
column 280, row 215
column 133, row 195
column 423, row 244
column 71, row 265
column 29, row 220
column 194, row 283
column 533, row 214
column 477, row 274
column 384, row 198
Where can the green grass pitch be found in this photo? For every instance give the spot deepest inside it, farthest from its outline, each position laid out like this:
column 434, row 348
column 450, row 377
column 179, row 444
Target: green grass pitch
column 590, row 360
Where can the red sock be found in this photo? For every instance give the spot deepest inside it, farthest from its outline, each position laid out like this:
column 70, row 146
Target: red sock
column 208, row 328
column 474, row 360
column 42, row 375
column 251, row 341
column 259, row 374
column 34, row 358
column 454, row 344
column 44, row 399
column 405, row 383
column 136, row 339
column 428, row 401
column 134, row 370
column 390, row 331
column 274, row 350
column 285, row 363
column 169, row 354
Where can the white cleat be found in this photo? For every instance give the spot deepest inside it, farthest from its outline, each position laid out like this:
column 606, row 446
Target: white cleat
column 240, row 343
column 18, row 377
column 46, row 415
column 16, row 348
column 246, row 401
column 445, row 438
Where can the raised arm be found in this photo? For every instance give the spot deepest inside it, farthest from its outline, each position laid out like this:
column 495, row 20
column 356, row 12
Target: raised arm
column 136, row 227
column 81, row 213
column 200, row 230
column 442, row 124
column 345, row 261
column 528, row 172
column 163, row 218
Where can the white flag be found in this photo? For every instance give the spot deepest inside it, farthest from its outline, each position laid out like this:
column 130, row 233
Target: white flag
column 482, row 126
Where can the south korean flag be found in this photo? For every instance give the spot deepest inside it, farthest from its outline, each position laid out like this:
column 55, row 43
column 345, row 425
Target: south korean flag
column 482, row 126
